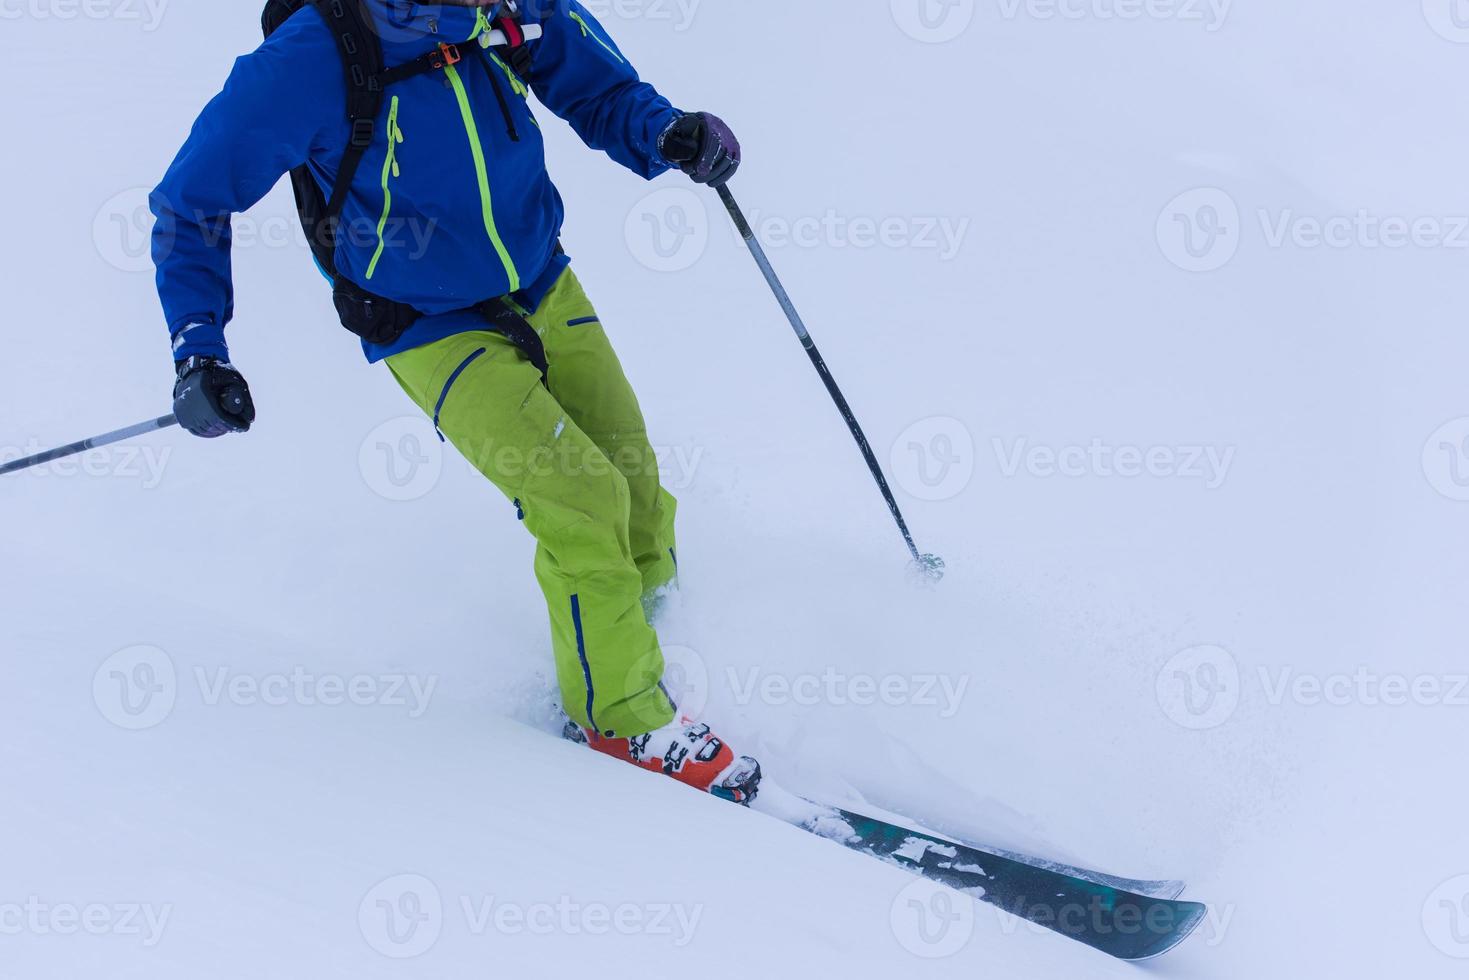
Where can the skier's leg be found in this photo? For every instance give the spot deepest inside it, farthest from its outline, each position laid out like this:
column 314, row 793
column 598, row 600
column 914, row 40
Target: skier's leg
column 587, row 379
column 490, row 403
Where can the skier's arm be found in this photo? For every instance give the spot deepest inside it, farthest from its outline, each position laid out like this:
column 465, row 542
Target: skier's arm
column 581, row 75
column 272, row 112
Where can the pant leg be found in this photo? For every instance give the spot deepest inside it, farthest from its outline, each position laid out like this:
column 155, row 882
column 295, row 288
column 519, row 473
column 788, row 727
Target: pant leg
column 488, row 400
column 586, row 377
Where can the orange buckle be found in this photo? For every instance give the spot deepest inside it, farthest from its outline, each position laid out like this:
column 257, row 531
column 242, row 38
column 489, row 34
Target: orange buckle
column 449, row 53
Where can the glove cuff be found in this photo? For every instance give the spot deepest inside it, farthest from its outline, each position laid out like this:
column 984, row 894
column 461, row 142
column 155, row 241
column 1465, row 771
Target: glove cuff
column 200, row 362
column 199, row 339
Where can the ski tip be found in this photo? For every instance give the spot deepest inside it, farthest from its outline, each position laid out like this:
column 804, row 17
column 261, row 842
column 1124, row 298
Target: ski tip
column 1166, row 889
column 1189, row 915
column 1169, row 889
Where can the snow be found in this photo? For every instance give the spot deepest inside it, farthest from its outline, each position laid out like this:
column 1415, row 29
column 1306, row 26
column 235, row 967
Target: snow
column 1301, row 558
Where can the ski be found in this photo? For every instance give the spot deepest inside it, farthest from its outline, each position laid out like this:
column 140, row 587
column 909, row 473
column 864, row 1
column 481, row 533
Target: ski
column 1102, row 911
column 1121, row 922
column 1153, row 888
column 1165, row 888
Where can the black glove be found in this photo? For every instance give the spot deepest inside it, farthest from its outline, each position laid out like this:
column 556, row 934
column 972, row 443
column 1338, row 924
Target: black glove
column 703, row 146
column 211, row 398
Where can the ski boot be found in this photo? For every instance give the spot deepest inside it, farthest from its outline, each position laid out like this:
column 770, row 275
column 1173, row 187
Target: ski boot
column 686, row 751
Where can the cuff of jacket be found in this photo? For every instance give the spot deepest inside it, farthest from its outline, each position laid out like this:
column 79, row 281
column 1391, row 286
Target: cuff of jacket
column 659, row 125
column 195, row 339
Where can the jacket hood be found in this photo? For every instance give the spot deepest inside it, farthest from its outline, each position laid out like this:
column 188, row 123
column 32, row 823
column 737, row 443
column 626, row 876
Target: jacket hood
column 411, row 21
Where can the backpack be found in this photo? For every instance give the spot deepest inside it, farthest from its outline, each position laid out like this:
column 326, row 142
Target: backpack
column 376, row 319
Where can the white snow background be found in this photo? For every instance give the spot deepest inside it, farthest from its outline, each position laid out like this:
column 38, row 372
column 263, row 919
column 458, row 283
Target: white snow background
column 1218, row 247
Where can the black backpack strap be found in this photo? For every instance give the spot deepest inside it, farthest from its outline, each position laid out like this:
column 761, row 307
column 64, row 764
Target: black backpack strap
column 517, row 54
column 436, row 60
column 510, row 323
column 362, row 63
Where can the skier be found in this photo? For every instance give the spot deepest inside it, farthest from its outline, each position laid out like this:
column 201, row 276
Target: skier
column 480, row 319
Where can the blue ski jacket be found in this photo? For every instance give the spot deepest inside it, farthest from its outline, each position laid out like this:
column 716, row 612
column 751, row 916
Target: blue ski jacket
column 452, row 204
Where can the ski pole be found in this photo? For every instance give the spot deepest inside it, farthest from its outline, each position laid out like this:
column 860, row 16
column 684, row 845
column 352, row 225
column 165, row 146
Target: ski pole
column 80, row 447
column 930, row 567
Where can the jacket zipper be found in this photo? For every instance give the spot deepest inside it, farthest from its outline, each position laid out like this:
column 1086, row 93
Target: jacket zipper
column 482, row 175
column 515, row 81
column 390, row 170
column 586, row 31
column 484, row 62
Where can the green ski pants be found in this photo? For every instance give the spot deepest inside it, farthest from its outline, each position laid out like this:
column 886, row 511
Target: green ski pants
column 574, row 455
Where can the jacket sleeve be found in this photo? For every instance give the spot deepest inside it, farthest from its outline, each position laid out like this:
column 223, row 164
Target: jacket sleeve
column 580, row 74
column 276, row 108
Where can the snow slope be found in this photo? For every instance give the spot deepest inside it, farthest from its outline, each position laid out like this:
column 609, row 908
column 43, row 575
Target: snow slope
column 1053, row 694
